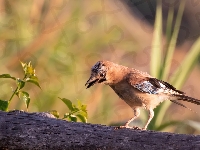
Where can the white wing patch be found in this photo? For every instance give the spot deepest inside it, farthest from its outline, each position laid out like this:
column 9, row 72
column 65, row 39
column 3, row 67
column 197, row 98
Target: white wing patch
column 149, row 88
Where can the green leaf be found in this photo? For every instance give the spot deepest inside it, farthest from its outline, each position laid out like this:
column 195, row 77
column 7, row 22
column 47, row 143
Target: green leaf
column 75, row 108
column 81, row 106
column 23, row 64
column 55, row 113
column 28, row 69
column 7, row 76
column 82, row 109
column 20, row 83
column 34, row 80
column 72, row 118
column 68, row 103
column 82, row 118
column 83, row 113
column 66, row 115
column 4, row 105
column 25, row 97
column 78, row 110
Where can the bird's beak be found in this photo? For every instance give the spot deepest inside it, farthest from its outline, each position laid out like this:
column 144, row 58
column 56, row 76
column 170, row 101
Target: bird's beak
column 92, row 80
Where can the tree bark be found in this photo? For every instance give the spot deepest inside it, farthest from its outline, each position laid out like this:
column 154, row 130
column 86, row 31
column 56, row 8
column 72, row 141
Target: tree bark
column 22, row 130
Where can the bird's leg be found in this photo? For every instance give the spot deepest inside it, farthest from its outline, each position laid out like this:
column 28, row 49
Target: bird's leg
column 151, row 114
column 136, row 112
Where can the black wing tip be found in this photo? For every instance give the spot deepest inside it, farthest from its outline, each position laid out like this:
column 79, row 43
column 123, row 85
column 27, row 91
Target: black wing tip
column 156, row 82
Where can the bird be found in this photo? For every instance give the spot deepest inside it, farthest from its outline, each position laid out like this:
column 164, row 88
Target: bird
column 138, row 89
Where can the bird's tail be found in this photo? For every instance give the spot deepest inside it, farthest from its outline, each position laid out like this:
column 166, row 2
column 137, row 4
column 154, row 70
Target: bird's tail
column 176, row 102
column 188, row 99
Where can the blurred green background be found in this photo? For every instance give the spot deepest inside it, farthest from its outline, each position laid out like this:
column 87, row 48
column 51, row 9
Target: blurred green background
column 63, row 39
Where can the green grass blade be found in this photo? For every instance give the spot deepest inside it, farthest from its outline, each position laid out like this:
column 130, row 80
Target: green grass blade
column 157, row 42
column 168, row 124
column 168, row 36
column 155, row 66
column 193, row 124
column 172, row 44
column 160, row 111
column 179, row 78
column 183, row 71
column 169, row 24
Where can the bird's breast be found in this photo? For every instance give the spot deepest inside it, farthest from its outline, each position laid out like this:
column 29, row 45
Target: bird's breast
column 127, row 93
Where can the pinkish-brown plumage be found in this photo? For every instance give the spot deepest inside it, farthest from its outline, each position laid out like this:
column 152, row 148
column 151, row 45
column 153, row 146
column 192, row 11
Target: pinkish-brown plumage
column 136, row 88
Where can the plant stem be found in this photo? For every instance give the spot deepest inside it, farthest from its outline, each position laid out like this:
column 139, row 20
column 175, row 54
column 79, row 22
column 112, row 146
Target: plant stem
column 71, row 113
column 13, row 94
column 15, row 91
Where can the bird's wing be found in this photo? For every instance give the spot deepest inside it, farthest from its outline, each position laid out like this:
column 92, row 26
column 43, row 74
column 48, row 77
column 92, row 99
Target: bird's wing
column 150, row 85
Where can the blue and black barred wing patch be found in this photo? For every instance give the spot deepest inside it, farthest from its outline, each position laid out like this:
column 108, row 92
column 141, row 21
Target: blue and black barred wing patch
column 162, row 84
column 153, row 86
column 147, row 87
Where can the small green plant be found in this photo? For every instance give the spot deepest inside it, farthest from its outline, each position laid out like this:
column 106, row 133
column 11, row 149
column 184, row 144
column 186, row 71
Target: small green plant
column 76, row 112
column 29, row 76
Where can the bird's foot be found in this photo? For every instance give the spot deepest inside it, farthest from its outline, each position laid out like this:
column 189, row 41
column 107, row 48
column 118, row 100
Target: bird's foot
column 128, row 127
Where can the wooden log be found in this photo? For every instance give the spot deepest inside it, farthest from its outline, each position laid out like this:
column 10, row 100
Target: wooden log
column 22, row 130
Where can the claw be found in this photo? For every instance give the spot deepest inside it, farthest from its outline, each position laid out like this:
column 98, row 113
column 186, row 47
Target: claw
column 128, row 127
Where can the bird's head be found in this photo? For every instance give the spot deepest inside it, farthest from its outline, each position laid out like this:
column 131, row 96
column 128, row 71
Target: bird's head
column 98, row 74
